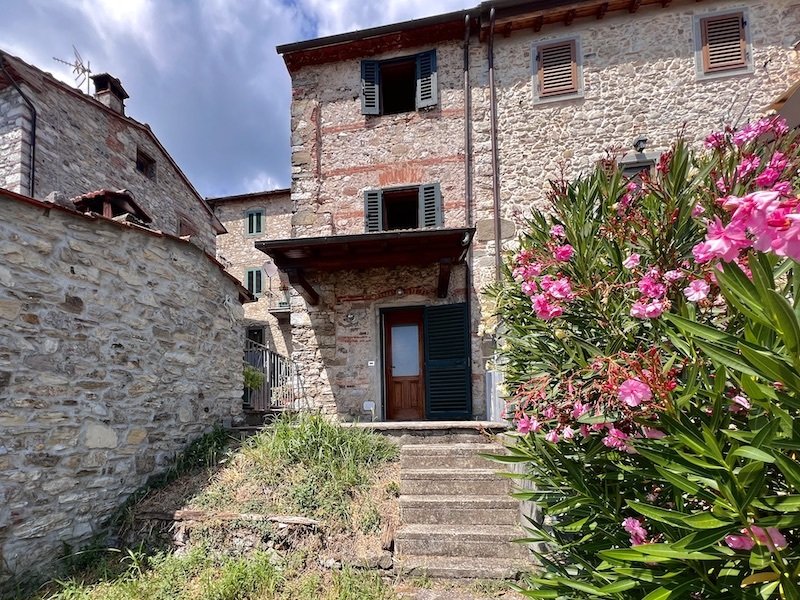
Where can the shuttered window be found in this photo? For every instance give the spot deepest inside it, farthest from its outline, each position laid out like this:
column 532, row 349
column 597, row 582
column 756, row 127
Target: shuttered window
column 723, row 43
column 254, row 282
column 448, row 373
column 255, row 222
column 406, row 208
column 557, row 71
column 399, row 85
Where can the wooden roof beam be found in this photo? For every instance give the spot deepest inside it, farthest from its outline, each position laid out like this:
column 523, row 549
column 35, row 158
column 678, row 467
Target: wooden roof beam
column 298, row 280
column 445, row 267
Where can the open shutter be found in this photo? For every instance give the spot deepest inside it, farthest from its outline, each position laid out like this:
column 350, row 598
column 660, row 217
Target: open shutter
column 448, row 375
column 427, row 87
column 430, row 206
column 724, row 43
column 373, row 211
column 557, row 69
column 370, row 87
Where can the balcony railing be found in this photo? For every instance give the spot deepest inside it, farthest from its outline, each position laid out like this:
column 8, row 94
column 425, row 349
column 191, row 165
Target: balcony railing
column 281, row 386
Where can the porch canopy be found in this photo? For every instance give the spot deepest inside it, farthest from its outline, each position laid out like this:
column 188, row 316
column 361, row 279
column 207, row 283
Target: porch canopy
column 388, row 249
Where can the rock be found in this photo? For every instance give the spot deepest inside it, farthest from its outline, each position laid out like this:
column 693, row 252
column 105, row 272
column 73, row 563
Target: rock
column 100, row 436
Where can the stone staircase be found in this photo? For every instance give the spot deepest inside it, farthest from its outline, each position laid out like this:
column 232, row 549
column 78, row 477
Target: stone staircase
column 457, row 519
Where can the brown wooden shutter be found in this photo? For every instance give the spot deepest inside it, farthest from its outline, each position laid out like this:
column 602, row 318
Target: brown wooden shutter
column 724, row 43
column 557, row 69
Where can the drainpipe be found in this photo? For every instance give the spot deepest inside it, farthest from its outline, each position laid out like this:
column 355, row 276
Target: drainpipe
column 493, row 135
column 32, row 156
column 468, row 188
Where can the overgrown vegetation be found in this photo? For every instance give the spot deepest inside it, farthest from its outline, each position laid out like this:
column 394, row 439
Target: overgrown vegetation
column 301, row 465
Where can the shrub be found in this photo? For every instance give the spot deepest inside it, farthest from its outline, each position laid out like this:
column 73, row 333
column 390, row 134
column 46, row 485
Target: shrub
column 651, row 346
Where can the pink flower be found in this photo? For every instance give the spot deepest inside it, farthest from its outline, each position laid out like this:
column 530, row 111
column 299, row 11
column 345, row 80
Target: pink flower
column 633, row 392
column 768, row 177
column 673, row 275
column 702, row 252
column 722, row 186
column 636, row 530
column 739, row 542
column 549, row 412
column 524, row 424
column 639, row 310
column 770, row 537
column 564, row 253
column 651, row 288
column 557, row 231
column 568, row 433
column 698, row 210
column 544, row 309
column 739, row 404
column 748, row 166
column 725, row 242
column 654, row 310
column 615, row 438
column 585, row 431
column 552, row 437
column 653, row 434
column 632, row 261
column 529, row 288
column 715, row 140
column 560, row 289
column 579, row 409
column 697, row 290
column 784, row 188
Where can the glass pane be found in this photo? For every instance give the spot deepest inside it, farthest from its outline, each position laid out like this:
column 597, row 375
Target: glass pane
column 405, row 350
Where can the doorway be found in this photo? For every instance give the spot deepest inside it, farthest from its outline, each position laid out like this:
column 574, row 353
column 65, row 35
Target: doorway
column 404, row 365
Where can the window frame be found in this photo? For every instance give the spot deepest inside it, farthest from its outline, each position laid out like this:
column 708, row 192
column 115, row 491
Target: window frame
column 426, row 92
column 260, row 280
column 150, row 169
column 702, row 70
column 254, row 211
column 430, row 207
column 576, row 92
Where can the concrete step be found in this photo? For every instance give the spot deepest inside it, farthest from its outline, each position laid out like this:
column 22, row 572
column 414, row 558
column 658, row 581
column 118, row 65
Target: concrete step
column 458, row 510
column 451, row 567
column 452, row 482
column 485, row 541
column 435, row 432
column 457, row 456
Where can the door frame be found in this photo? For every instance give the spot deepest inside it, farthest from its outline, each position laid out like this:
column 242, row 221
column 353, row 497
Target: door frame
column 382, row 312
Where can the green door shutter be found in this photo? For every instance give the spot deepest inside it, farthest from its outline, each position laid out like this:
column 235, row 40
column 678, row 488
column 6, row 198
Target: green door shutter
column 373, row 211
column 427, row 86
column 370, row 87
column 448, row 376
column 430, row 205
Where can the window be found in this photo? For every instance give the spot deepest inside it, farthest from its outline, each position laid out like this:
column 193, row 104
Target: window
column 634, row 170
column 722, row 44
column 399, row 85
column 255, row 222
column 403, row 208
column 558, row 70
column 145, row 165
column 254, row 281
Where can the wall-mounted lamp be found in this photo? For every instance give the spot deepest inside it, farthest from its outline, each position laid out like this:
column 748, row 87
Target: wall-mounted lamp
column 400, row 291
column 640, row 143
column 350, row 318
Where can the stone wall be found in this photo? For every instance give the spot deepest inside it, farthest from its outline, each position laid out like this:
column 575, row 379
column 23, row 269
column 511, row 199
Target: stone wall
column 236, row 250
column 639, row 74
column 82, row 146
column 14, row 118
column 118, row 346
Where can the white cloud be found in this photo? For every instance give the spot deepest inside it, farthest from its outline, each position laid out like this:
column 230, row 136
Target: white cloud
column 260, row 182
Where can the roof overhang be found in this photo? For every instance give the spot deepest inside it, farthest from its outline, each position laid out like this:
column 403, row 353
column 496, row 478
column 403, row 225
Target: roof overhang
column 788, row 105
column 390, row 249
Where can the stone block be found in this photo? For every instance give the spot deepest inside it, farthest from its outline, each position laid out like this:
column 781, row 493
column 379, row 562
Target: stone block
column 99, row 435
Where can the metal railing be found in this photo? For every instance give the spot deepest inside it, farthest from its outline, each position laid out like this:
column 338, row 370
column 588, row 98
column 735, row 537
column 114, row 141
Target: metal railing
column 281, row 386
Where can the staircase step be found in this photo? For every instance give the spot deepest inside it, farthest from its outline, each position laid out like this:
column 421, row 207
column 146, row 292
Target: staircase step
column 450, row 567
column 458, row 510
column 424, row 456
column 477, row 482
column 487, row 541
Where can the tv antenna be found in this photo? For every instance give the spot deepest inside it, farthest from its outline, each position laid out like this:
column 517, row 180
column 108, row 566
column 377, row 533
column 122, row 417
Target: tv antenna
column 81, row 70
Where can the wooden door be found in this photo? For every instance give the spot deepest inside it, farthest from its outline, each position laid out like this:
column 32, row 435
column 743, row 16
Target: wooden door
column 404, row 365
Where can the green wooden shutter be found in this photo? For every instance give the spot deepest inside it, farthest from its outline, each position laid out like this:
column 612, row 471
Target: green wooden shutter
column 448, row 376
column 430, row 206
column 427, row 86
column 370, row 87
column 373, row 211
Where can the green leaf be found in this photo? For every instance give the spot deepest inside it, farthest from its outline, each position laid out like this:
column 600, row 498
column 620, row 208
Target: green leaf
column 753, row 454
column 621, row 585
column 790, row 469
column 668, row 551
column 662, row 515
column 770, row 366
column 705, row 520
column 727, row 358
column 786, row 320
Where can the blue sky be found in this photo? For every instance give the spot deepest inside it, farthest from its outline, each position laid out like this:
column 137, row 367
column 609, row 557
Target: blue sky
column 203, row 74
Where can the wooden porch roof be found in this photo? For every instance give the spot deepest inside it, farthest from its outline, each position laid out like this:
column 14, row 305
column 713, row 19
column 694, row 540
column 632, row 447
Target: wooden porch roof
column 386, row 249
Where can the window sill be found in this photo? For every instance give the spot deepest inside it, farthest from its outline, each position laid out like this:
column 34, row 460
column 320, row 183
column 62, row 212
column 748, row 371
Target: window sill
column 702, row 76
column 537, row 101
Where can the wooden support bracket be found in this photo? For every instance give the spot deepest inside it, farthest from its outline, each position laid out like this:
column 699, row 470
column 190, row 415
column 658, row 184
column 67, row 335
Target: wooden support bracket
column 602, row 10
column 570, row 17
column 298, row 279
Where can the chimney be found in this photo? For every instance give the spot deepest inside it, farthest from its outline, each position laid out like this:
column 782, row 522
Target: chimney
column 109, row 91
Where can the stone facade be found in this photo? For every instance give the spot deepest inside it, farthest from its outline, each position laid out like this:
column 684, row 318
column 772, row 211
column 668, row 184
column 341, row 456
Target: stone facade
column 118, row 346
column 83, row 146
column 639, row 78
column 236, row 251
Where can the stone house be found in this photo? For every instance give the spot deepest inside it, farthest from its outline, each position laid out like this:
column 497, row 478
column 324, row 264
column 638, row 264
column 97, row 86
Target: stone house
column 55, row 138
column 419, row 148
column 249, row 218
